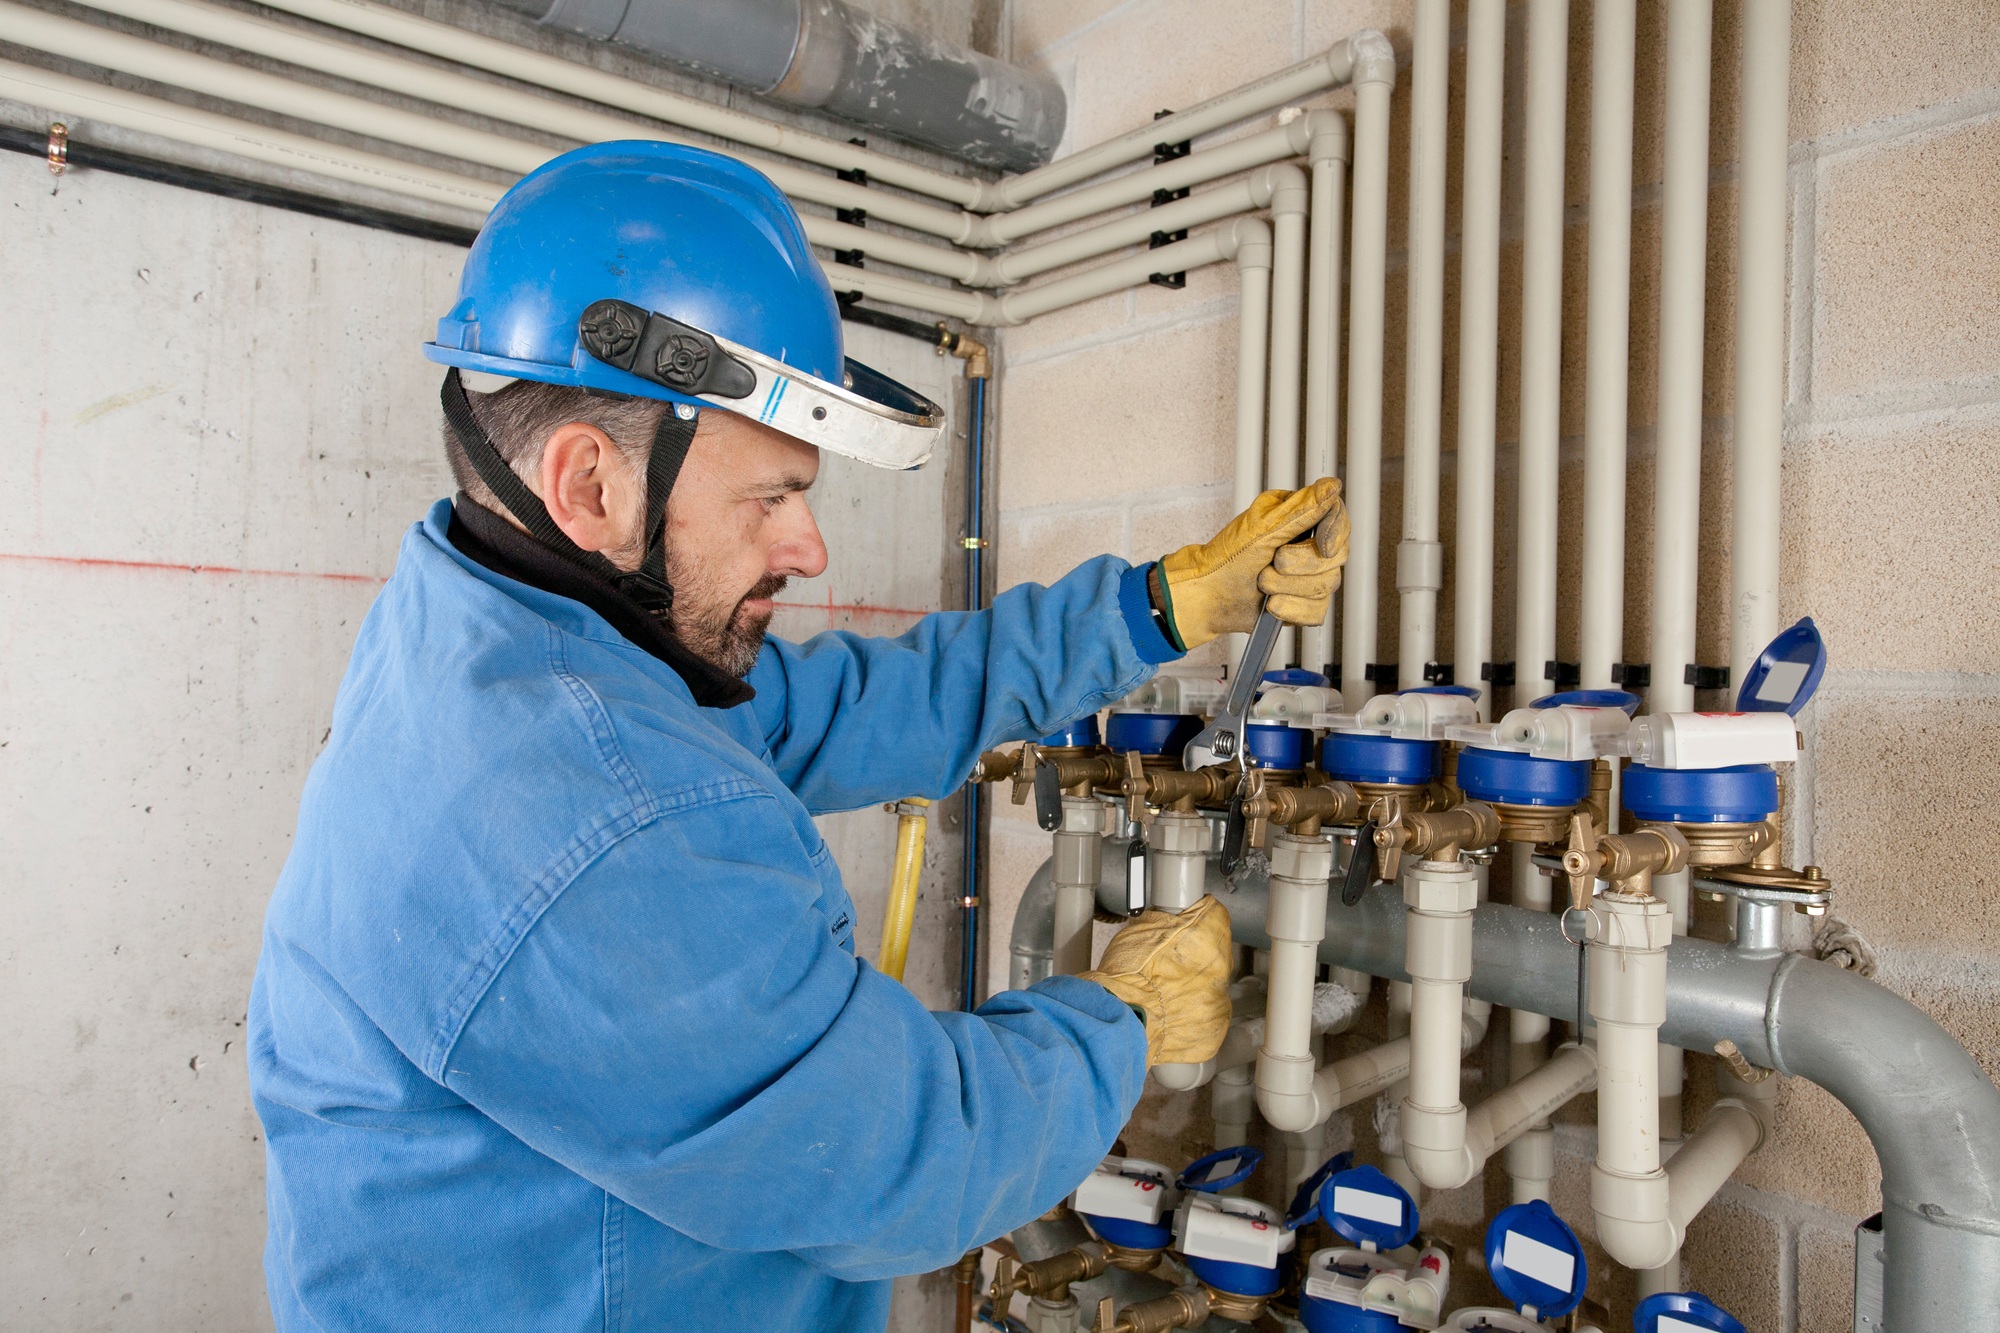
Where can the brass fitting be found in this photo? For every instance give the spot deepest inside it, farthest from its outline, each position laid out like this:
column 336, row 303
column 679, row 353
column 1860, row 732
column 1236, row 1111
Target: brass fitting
column 1144, row 786
column 995, row 766
column 1299, row 809
column 1728, row 844
column 1628, row 860
column 1228, row 1305
column 1047, row 1279
column 977, row 356
column 1186, row 1308
column 1438, row 835
column 1077, row 769
column 1131, row 1260
column 1417, row 797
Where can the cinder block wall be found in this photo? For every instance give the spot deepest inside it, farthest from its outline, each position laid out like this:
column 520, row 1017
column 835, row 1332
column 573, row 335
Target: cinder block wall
column 1115, row 428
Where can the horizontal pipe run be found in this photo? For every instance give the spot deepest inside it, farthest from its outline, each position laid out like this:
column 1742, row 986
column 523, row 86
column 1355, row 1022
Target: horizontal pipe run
column 558, row 75
column 1928, row 1108
column 1364, row 57
column 205, row 129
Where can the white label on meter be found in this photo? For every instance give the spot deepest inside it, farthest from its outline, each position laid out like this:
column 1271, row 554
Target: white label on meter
column 1364, row 1203
column 1781, row 683
column 1544, row 1263
column 1669, row 1324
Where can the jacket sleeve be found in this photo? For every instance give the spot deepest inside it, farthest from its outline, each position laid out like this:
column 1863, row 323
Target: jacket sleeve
column 681, row 1028
column 852, row 720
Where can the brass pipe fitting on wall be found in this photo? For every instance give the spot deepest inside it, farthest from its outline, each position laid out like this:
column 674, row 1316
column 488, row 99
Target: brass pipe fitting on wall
column 1729, row 844
column 1047, row 1279
column 1628, row 861
column 1186, row 1308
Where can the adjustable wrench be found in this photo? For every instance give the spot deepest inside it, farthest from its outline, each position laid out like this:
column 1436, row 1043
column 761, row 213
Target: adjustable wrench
column 1222, row 740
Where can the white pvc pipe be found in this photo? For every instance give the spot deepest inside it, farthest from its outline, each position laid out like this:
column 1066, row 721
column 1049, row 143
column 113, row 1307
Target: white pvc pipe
column 1329, row 164
column 1289, row 207
column 1478, row 344
column 517, row 62
column 1530, row 1158
column 1627, row 960
column 1439, row 899
column 1683, row 291
column 170, row 120
column 1363, row 56
column 1368, row 260
column 1541, row 348
column 1607, row 335
column 1420, row 555
column 1763, row 146
column 1300, row 869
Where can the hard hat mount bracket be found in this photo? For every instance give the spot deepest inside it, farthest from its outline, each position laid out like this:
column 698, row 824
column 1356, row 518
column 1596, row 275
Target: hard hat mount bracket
column 662, row 349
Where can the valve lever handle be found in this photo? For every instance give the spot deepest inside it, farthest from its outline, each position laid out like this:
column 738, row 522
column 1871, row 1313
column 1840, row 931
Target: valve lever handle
column 1048, row 795
column 1360, row 865
column 1102, row 1324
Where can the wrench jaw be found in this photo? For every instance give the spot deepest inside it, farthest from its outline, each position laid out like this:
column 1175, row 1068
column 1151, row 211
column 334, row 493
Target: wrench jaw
column 1217, row 744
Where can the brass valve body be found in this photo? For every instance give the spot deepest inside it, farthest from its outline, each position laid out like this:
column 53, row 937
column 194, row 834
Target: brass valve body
column 1627, row 860
column 1047, row 1279
column 1727, row 844
column 1186, row 1308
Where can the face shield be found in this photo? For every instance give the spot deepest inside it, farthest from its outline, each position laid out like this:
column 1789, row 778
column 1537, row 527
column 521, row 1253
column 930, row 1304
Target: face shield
column 870, row 417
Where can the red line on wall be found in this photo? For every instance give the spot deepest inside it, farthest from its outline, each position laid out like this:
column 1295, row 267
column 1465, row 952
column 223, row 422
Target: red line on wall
column 224, row 571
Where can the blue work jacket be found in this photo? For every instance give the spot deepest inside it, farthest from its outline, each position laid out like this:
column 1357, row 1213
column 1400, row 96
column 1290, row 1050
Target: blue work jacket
column 558, row 1023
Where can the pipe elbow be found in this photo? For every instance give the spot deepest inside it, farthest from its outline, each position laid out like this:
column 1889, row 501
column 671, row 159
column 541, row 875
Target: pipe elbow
column 1436, row 1147
column 1291, row 189
column 1326, row 136
column 1371, row 59
column 1183, row 1077
column 1634, row 1223
column 1286, row 1097
column 1478, row 1015
column 1247, row 241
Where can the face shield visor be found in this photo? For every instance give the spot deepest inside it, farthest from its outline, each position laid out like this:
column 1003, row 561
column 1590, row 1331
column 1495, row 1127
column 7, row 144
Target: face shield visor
column 870, row 417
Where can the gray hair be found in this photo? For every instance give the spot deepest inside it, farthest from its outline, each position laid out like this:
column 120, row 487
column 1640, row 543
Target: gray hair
column 520, row 418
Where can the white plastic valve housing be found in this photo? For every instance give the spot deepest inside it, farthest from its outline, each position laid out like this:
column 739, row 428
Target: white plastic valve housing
column 1407, row 717
column 1568, row 732
column 1370, row 1281
column 1294, row 705
column 1712, row 740
column 1238, row 1231
column 1129, row 1188
column 1166, row 693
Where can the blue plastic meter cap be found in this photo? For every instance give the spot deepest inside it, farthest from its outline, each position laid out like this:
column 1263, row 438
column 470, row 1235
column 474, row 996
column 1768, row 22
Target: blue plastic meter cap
column 1365, row 1207
column 1352, row 756
column 1786, row 673
column 1083, row 731
column 1512, row 778
column 1739, row 794
column 1152, row 733
column 1536, row 1260
column 1305, row 1200
column 1199, row 1175
column 1294, row 676
column 1677, row 1311
column 1275, row 745
column 1131, row 1233
column 1591, row 699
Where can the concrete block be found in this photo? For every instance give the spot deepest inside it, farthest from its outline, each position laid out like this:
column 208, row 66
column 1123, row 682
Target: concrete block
column 1814, row 1131
column 1040, row 25
column 1825, row 1277
column 1734, row 1255
column 1885, row 526
column 1162, row 526
column 1158, row 411
column 1906, row 273
column 1858, row 61
column 1040, row 547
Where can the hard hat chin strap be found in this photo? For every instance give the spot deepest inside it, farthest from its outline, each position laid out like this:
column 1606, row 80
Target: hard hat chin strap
column 647, row 585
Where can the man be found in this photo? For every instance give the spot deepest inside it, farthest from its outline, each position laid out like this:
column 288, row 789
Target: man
column 558, row 1023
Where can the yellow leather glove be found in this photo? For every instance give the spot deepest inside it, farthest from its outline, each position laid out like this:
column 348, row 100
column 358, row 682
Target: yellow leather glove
column 1175, row 967
column 1218, row 587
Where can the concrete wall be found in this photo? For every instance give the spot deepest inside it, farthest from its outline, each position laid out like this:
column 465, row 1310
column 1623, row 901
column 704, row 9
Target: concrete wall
column 215, row 429
column 1115, row 435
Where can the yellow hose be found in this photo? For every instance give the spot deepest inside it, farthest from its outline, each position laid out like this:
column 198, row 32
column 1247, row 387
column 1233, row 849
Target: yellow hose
column 903, row 877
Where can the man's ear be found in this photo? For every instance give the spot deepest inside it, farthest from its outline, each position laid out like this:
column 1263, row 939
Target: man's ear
column 588, row 487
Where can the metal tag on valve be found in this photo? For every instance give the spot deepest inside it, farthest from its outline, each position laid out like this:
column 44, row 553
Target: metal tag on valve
column 1135, row 874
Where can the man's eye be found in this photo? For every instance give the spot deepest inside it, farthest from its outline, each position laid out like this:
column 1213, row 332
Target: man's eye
column 773, row 501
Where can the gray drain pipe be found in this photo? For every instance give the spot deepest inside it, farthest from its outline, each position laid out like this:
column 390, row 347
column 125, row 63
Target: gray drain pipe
column 831, row 57
column 1929, row 1109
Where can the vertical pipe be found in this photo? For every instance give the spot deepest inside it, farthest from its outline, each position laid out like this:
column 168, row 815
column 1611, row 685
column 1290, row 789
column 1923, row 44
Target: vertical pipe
column 1764, row 142
column 1420, row 556
column 1530, row 1158
column 1364, row 384
column 1329, row 164
column 1608, row 334
column 1290, row 199
column 1541, row 348
column 1683, row 290
column 1253, row 345
column 976, row 370
column 1478, row 343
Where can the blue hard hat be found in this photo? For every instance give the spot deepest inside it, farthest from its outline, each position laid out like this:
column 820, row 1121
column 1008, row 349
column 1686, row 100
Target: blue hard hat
column 663, row 271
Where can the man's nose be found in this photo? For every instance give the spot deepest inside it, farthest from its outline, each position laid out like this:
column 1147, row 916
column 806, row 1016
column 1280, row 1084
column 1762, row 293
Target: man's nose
column 800, row 552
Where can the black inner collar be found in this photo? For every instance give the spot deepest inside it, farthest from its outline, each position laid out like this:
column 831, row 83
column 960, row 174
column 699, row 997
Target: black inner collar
column 488, row 540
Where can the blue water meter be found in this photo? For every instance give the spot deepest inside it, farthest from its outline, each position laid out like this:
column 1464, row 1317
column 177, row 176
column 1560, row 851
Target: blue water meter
column 1682, row 1312
column 1537, row 1263
column 1083, row 731
column 1152, row 733
column 1234, row 1245
column 1361, row 1289
column 1274, row 745
column 1129, row 1202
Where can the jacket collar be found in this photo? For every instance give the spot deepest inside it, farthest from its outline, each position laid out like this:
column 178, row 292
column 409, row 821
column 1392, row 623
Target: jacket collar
column 482, row 536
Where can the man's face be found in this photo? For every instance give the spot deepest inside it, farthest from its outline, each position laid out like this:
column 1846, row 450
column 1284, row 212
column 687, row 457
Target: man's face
column 738, row 527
